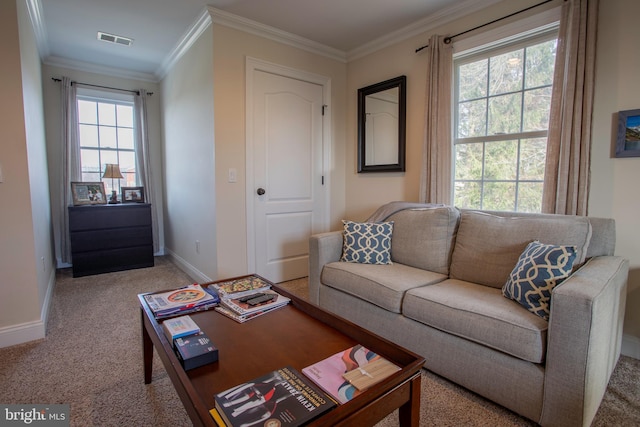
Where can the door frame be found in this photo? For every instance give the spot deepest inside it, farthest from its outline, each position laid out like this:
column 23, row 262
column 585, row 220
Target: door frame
column 253, row 65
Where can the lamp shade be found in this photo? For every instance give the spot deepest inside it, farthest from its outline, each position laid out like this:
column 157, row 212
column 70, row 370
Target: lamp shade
column 112, row 171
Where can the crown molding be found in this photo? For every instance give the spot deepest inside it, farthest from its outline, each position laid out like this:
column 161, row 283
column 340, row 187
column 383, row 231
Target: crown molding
column 186, row 41
column 247, row 25
column 56, row 61
column 35, row 14
column 456, row 11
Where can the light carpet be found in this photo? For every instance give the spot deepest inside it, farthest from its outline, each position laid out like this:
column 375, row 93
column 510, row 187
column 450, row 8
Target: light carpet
column 91, row 359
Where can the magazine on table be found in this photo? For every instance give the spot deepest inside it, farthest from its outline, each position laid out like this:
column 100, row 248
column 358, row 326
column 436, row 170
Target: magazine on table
column 255, row 302
column 183, row 300
column 282, row 397
column 240, row 287
column 348, row 373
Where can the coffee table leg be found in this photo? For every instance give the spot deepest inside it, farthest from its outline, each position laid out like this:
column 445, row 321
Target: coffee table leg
column 147, row 352
column 409, row 413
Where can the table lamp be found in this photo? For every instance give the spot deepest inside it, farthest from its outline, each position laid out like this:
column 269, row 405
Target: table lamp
column 112, row 171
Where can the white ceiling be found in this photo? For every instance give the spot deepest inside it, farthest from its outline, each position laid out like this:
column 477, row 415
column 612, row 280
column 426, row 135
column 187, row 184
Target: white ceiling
column 68, row 28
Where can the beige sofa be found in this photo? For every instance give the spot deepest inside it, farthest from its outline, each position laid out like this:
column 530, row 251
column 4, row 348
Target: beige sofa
column 441, row 298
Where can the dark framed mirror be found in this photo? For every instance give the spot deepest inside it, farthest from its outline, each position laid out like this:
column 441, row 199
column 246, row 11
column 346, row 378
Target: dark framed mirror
column 382, row 112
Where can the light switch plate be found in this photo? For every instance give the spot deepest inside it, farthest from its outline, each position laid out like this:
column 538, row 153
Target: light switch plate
column 233, row 175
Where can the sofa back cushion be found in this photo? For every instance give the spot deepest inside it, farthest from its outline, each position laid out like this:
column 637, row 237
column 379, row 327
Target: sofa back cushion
column 423, row 238
column 488, row 246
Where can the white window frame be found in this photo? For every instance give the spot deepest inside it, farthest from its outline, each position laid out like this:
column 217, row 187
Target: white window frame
column 535, row 29
column 110, row 97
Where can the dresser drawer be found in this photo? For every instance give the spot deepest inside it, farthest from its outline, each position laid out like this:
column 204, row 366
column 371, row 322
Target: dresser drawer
column 93, row 240
column 83, row 218
column 104, row 261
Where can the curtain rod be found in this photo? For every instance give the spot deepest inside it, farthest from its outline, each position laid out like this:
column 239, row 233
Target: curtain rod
column 449, row 39
column 137, row 92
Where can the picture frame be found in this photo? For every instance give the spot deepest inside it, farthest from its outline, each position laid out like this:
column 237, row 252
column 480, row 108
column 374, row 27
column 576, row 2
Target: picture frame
column 88, row 193
column 132, row 194
column 628, row 140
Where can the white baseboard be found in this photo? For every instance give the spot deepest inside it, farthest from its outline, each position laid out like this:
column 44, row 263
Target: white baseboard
column 30, row 331
column 193, row 272
column 630, row 346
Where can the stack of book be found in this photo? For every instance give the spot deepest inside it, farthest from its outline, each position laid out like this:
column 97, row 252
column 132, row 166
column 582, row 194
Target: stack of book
column 192, row 346
column 185, row 300
column 247, row 297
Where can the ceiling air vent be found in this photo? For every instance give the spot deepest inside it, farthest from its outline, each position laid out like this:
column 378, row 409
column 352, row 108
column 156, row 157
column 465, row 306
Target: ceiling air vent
column 112, row 38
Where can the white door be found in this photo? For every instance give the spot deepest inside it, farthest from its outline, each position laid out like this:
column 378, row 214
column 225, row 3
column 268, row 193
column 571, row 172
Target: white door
column 287, row 191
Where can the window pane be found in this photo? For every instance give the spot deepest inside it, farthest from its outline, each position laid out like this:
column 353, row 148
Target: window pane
column 91, row 176
column 541, row 60
column 472, row 80
column 504, row 114
column 125, row 115
column 468, row 195
column 537, row 103
column 530, row 197
column 87, row 112
column 533, row 153
column 125, row 138
column 468, row 161
column 88, row 136
column 107, row 114
column 505, row 72
column 90, row 160
column 127, row 161
column 501, row 160
column 472, row 119
column 108, row 137
column 499, row 196
column 108, row 156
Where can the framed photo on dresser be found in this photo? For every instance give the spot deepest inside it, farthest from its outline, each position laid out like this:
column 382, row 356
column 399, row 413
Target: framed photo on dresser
column 132, row 194
column 88, row 193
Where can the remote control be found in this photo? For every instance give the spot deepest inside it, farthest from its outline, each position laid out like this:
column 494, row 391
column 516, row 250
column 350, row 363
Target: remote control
column 252, row 296
column 261, row 299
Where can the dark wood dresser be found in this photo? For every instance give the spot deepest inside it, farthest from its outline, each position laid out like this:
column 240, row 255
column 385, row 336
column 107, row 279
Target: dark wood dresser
column 109, row 238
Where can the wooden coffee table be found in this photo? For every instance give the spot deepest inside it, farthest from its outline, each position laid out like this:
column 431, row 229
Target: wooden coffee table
column 297, row 335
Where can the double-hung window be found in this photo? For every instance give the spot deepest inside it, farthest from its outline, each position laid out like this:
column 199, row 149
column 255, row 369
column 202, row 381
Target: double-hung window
column 106, row 136
column 502, row 98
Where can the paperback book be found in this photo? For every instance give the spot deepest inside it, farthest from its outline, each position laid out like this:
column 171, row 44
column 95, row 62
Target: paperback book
column 181, row 301
column 280, row 398
column 354, row 362
column 178, row 327
column 239, row 287
column 255, row 302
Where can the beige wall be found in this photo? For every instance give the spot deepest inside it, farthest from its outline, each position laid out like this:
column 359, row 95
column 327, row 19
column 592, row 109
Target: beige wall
column 614, row 190
column 614, row 182
column 26, row 261
column 189, row 160
column 230, row 50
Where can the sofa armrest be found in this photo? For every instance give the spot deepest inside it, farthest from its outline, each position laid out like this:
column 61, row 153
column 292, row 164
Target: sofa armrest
column 584, row 340
column 323, row 249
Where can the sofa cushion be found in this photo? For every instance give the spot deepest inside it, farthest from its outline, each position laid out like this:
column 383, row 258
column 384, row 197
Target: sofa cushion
column 423, row 238
column 488, row 246
column 367, row 243
column 540, row 268
column 481, row 314
column 382, row 285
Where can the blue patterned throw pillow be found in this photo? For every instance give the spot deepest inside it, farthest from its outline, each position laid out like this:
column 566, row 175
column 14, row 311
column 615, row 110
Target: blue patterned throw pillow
column 539, row 269
column 367, row 243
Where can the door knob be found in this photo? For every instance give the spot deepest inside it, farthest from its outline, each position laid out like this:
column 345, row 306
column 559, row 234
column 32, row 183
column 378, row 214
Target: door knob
column 261, row 191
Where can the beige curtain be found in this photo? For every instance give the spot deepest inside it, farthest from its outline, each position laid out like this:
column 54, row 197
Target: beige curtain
column 70, row 163
column 143, row 160
column 566, row 183
column 435, row 178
